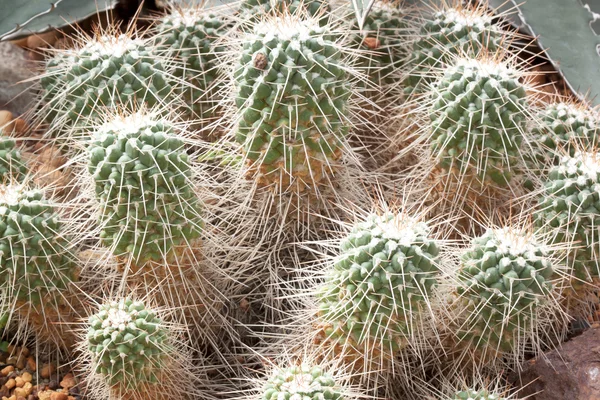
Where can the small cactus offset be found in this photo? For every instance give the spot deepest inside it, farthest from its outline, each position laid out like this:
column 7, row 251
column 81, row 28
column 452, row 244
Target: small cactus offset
column 379, row 284
column 191, row 37
column 37, row 264
column 148, row 207
column 292, row 102
column 132, row 353
column 569, row 209
column 478, row 120
column 452, row 31
column 505, row 277
column 477, row 395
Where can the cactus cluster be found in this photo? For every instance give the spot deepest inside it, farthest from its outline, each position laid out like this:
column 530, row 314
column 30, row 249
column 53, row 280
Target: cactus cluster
column 291, row 252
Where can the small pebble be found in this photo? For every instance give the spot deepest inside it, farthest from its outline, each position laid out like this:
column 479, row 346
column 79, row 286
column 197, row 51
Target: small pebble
column 10, row 384
column 7, row 370
column 21, row 398
column 58, row 396
column 5, row 117
column 47, row 370
column 53, row 384
column 31, row 397
column 20, row 381
column 27, row 377
column 68, row 381
column 31, row 364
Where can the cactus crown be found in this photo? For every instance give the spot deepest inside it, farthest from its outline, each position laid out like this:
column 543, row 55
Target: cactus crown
column 292, row 100
column 476, row 395
column 384, row 273
column 36, row 266
column 301, row 383
column 504, row 275
column 478, row 118
column 142, row 179
column 128, row 343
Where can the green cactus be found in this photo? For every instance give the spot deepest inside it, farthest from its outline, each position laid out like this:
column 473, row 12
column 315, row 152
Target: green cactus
column 504, row 276
column 301, row 382
column 253, row 10
column 128, row 344
column 36, row 266
column 292, row 97
column 478, row 118
column 476, row 395
column 382, row 278
column 149, row 208
column 383, row 36
column 12, row 166
column 569, row 207
column 109, row 71
column 460, row 30
column 561, row 126
column 191, row 36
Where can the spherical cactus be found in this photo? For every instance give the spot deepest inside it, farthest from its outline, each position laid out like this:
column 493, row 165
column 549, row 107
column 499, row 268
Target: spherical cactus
column 108, row 71
column 383, row 36
column 569, row 208
column 478, row 118
column 142, row 178
column 378, row 285
column 301, row 383
column 12, row 165
column 503, row 278
column 476, row 395
column 190, row 37
column 561, row 125
column 453, row 31
column 292, row 100
column 128, row 344
column 36, row 266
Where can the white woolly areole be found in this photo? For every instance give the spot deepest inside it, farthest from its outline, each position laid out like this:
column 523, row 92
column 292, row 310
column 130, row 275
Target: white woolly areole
column 573, row 113
column 287, row 27
column 117, row 317
column 386, row 6
column 462, row 18
column 515, row 242
column 124, row 126
column 186, row 17
column 403, row 229
column 587, row 165
column 300, row 384
column 10, row 195
column 112, row 46
column 483, row 69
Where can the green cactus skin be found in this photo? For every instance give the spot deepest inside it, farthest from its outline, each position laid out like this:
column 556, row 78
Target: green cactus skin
column 570, row 207
column 253, row 10
column 478, row 119
column 142, row 179
column 560, row 125
column 128, row 343
column 476, row 395
column 384, row 33
column 190, row 37
column 451, row 32
column 385, row 271
column 504, row 276
column 292, row 97
column 106, row 72
column 36, row 267
column 301, row 383
column 12, row 165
